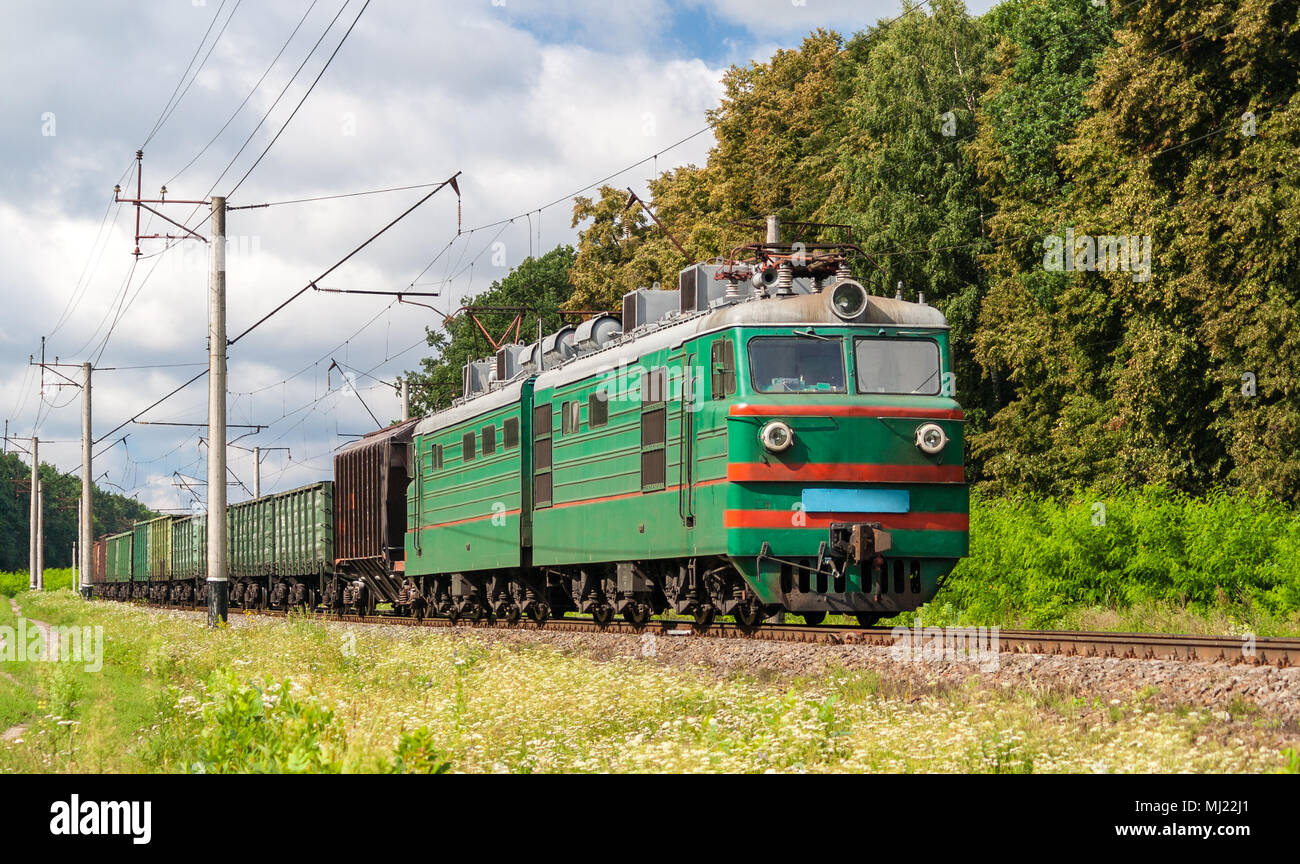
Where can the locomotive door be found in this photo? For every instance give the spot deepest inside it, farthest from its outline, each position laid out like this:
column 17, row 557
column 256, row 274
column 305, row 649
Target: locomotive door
column 686, row 450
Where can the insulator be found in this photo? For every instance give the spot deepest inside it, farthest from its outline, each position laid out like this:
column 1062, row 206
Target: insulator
column 784, row 279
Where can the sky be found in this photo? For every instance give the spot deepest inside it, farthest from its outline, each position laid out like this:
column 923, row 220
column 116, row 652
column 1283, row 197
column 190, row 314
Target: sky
column 530, row 101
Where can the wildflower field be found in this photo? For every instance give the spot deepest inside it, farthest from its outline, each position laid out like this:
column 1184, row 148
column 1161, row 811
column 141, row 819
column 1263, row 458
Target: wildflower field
column 281, row 695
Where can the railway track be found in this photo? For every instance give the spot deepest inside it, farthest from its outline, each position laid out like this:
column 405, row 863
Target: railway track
column 1275, row 651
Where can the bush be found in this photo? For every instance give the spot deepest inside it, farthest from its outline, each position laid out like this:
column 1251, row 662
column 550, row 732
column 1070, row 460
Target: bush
column 251, row 729
column 15, row 582
column 1036, row 559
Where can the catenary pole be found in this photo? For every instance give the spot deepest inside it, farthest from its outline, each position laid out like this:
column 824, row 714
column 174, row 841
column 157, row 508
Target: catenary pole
column 40, row 533
column 85, row 512
column 33, row 526
column 218, row 578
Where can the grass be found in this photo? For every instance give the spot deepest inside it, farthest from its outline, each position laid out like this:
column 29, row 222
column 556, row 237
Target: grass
column 18, row 685
column 13, row 582
column 296, row 695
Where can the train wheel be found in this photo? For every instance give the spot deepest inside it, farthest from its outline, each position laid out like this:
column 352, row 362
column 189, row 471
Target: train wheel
column 603, row 614
column 512, row 613
column 539, row 612
column 749, row 615
column 867, row 619
column 812, row 619
column 473, row 613
column 704, row 616
column 637, row 614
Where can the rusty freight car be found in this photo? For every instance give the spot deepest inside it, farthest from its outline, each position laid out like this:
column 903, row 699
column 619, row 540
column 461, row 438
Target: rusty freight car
column 371, row 476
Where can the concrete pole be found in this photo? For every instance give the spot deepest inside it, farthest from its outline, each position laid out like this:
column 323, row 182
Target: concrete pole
column 35, row 509
column 85, row 513
column 40, row 534
column 218, row 577
column 406, row 401
column 257, row 472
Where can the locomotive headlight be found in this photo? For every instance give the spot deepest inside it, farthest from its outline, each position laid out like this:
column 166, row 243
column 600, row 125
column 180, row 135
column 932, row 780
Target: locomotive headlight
column 931, row 438
column 848, row 299
column 777, row 436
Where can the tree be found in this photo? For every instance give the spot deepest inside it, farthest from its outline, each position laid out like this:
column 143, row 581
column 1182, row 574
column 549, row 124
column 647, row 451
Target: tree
column 904, row 180
column 113, row 513
column 1037, row 333
column 541, row 284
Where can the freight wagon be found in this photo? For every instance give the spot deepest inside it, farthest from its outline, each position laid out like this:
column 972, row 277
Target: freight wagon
column 280, row 552
column 118, row 560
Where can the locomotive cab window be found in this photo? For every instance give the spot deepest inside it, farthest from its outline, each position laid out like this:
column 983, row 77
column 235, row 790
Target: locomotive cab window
column 435, row 457
column 489, row 440
column 512, row 432
column 467, row 447
column 897, row 366
column 797, row 364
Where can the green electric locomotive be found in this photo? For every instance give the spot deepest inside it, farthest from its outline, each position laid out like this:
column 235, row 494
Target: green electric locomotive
column 767, row 438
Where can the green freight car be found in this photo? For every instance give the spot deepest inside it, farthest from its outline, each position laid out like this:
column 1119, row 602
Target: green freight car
column 304, row 544
column 152, row 558
column 280, row 552
column 189, row 558
column 119, row 558
column 281, row 547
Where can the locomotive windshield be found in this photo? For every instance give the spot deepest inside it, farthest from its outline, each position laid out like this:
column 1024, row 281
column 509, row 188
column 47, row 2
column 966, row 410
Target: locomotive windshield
column 797, row 364
column 897, row 366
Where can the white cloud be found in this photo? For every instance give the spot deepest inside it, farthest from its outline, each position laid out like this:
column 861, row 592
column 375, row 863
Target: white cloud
column 530, row 101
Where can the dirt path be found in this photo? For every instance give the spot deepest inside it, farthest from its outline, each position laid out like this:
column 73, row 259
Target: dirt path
column 15, row 733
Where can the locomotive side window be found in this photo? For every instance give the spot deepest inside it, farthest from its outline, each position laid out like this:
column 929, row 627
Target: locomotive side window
column 542, row 489
column 435, row 457
column 512, row 432
column 489, row 440
column 570, row 419
column 653, row 385
column 723, row 368
column 897, row 366
column 597, row 409
column 467, row 447
column 797, row 364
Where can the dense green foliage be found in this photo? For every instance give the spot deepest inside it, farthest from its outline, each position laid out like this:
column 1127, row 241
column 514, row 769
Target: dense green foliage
column 1035, row 560
column 56, row 579
column 956, row 146
column 59, row 511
